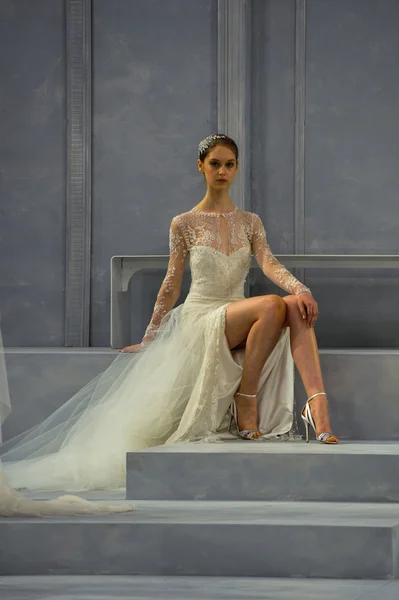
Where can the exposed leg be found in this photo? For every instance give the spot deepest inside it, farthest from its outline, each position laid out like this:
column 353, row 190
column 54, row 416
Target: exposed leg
column 257, row 321
column 306, row 357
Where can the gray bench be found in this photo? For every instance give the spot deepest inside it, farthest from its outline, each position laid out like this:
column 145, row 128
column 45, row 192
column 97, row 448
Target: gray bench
column 124, row 267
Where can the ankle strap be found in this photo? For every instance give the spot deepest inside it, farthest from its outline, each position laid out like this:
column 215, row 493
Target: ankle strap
column 318, row 394
column 245, row 395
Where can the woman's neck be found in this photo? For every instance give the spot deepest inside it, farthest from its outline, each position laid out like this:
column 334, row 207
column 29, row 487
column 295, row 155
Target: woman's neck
column 216, row 203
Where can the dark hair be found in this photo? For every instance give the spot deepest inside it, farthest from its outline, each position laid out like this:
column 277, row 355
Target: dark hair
column 216, row 139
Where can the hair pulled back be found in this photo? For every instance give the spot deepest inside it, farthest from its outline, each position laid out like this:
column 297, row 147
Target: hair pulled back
column 216, row 139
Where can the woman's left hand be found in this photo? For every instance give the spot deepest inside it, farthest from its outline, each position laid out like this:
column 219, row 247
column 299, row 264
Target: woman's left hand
column 308, row 307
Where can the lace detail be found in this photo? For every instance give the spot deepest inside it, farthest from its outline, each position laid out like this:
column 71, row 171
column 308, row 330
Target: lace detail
column 269, row 264
column 214, row 214
column 226, row 234
column 170, row 289
column 200, row 418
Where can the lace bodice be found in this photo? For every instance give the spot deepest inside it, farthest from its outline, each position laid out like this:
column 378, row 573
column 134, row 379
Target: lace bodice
column 220, row 247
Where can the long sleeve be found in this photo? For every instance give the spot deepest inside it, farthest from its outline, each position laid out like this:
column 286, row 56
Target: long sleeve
column 269, row 264
column 170, row 289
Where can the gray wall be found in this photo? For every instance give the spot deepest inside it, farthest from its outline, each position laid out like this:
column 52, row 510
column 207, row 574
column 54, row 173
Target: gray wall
column 352, row 150
column 154, row 98
column 32, row 172
column 273, row 125
column 351, row 154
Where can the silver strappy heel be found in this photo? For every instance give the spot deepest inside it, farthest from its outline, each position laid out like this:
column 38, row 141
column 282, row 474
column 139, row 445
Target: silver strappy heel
column 245, row 434
column 308, row 420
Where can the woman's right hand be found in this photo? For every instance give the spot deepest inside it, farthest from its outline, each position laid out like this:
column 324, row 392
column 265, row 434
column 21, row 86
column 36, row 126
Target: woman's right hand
column 134, row 348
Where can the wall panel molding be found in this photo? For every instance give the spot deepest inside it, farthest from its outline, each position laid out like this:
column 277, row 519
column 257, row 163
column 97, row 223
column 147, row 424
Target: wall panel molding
column 78, row 188
column 300, row 110
column 234, row 86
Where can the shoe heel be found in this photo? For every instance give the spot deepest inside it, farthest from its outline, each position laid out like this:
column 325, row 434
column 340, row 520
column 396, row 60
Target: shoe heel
column 233, row 414
column 306, row 430
column 309, row 421
column 245, row 434
column 230, row 419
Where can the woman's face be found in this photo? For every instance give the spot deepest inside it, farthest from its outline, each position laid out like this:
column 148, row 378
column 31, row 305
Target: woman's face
column 219, row 167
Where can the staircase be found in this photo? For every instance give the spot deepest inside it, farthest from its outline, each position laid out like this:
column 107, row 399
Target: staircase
column 237, row 519
column 232, row 509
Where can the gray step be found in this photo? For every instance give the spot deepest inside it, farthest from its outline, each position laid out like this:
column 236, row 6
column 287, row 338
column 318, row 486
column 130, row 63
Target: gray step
column 102, row 587
column 244, row 470
column 343, row 541
column 362, row 386
column 43, row 379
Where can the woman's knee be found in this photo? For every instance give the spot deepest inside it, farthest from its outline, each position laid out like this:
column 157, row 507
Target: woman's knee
column 292, row 309
column 291, row 302
column 273, row 305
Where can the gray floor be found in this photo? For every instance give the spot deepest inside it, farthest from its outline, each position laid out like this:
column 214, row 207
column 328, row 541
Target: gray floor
column 295, row 446
column 379, row 518
column 191, row 588
column 273, row 513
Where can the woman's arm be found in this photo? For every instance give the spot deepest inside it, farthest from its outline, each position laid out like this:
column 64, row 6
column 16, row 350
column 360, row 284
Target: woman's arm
column 171, row 286
column 169, row 291
column 269, row 264
column 277, row 273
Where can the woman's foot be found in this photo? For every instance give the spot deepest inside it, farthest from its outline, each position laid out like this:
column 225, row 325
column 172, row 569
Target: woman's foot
column 319, row 411
column 247, row 415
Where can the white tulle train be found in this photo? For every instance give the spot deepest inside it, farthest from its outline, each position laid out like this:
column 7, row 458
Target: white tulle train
column 14, row 504
column 177, row 390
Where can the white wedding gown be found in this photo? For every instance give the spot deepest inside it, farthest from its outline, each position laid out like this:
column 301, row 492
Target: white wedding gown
column 180, row 386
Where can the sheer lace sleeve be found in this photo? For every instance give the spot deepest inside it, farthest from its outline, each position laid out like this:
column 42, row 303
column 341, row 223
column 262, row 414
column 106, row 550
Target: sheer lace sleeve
column 170, row 289
column 269, row 263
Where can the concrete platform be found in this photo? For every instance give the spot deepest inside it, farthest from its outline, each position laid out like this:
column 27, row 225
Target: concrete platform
column 248, row 539
column 242, row 470
column 43, row 379
column 191, row 588
column 362, row 386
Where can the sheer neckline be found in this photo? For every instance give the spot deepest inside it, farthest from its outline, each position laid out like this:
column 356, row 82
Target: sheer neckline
column 210, row 214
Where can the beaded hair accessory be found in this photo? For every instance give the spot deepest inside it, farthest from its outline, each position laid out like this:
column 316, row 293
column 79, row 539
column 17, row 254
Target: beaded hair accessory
column 204, row 145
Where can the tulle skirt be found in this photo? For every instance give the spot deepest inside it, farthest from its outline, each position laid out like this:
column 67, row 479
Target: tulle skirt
column 178, row 389
column 14, row 504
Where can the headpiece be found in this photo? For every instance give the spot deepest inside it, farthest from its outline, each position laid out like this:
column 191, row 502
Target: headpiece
column 204, row 145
